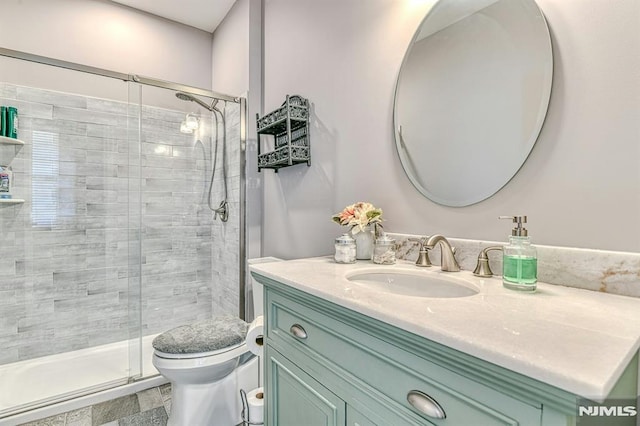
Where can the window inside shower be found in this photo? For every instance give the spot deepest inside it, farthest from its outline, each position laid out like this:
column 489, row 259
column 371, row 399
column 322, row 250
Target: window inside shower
column 115, row 241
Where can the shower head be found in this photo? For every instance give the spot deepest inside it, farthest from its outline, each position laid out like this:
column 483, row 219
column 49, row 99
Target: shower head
column 187, row 97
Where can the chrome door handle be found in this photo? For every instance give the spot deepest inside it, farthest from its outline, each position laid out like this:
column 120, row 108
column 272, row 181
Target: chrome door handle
column 425, row 404
column 298, row 331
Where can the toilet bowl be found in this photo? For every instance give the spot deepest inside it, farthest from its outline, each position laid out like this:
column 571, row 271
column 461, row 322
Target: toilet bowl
column 200, row 368
column 205, row 386
column 207, row 364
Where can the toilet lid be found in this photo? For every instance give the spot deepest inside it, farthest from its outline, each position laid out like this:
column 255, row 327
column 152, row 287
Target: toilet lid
column 204, row 336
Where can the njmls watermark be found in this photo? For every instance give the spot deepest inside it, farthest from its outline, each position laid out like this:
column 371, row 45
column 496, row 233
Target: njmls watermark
column 611, row 412
column 617, row 411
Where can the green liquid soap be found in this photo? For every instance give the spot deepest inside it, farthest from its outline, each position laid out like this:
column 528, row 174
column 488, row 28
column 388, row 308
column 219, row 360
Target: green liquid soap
column 520, row 273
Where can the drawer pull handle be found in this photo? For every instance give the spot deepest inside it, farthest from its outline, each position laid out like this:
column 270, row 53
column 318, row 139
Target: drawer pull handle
column 425, row 404
column 298, row 331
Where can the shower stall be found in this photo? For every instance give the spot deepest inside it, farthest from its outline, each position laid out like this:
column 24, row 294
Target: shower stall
column 127, row 219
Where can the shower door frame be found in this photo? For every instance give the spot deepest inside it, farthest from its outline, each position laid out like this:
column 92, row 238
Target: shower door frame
column 149, row 81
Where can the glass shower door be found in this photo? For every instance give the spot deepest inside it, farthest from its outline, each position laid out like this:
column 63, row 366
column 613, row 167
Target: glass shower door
column 176, row 223
column 188, row 258
column 116, row 239
column 67, row 283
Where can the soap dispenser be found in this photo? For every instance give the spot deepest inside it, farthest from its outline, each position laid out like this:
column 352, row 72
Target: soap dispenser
column 519, row 259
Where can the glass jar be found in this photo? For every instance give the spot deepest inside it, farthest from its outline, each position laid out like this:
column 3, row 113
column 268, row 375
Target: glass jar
column 384, row 251
column 345, row 249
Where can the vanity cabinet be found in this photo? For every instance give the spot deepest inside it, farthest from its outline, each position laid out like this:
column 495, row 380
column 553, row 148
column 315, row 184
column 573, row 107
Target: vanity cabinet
column 496, row 358
column 329, row 365
column 324, row 361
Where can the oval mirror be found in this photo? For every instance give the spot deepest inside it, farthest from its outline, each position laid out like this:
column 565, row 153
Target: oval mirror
column 471, row 97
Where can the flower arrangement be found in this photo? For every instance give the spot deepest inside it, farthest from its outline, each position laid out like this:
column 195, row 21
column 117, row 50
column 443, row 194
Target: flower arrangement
column 358, row 216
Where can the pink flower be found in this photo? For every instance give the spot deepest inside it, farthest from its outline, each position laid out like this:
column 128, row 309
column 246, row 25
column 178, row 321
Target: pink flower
column 358, row 216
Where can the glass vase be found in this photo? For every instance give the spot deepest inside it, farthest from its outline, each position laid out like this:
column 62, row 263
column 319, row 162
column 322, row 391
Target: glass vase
column 364, row 243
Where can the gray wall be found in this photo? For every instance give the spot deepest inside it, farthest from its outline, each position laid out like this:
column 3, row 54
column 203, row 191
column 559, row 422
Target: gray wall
column 230, row 51
column 107, row 35
column 580, row 186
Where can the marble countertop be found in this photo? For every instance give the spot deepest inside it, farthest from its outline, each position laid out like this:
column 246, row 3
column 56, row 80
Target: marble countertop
column 577, row 340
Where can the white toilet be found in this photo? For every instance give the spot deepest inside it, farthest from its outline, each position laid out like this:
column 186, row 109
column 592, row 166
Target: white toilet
column 207, row 364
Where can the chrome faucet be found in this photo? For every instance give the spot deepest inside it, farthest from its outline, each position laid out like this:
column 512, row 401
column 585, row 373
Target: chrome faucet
column 448, row 262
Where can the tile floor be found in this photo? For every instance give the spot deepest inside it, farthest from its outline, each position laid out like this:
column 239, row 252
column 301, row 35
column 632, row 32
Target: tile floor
column 146, row 408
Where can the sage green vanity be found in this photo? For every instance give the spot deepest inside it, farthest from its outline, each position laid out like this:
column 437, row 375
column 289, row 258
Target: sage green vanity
column 329, row 361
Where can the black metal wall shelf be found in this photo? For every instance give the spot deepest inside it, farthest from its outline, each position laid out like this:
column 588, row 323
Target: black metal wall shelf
column 289, row 126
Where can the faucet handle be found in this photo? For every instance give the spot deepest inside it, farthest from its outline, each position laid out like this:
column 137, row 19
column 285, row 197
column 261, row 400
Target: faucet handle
column 423, row 255
column 482, row 268
column 423, row 258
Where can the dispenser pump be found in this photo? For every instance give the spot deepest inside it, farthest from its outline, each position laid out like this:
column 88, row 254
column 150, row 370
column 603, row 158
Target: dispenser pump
column 519, row 230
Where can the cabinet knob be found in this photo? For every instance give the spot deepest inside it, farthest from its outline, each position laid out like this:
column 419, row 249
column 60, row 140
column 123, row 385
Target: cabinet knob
column 425, row 404
column 298, row 331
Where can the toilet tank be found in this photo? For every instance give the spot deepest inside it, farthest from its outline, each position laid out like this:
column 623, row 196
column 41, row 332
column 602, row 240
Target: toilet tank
column 256, row 288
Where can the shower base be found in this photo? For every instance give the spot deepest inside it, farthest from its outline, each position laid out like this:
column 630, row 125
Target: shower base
column 27, row 385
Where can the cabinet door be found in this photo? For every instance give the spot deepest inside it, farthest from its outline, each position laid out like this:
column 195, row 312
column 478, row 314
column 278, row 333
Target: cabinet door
column 356, row 418
column 294, row 398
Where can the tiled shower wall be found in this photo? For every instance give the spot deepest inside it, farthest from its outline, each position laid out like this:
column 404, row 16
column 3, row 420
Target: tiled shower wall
column 69, row 259
column 226, row 236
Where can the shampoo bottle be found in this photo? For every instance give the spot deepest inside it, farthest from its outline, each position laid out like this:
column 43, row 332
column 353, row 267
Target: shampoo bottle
column 12, row 122
column 519, row 259
column 3, row 121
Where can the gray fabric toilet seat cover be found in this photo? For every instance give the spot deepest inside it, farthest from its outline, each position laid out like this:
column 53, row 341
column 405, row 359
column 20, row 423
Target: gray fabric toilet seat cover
column 204, row 336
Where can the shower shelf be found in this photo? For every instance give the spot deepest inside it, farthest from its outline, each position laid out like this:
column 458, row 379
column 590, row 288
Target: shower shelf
column 16, row 142
column 11, row 201
column 10, row 141
column 289, row 127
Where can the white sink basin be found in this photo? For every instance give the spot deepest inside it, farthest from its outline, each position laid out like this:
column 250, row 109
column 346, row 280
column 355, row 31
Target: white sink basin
column 415, row 284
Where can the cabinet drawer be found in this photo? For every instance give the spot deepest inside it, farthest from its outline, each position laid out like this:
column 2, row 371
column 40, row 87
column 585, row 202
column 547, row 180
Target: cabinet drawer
column 389, row 369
